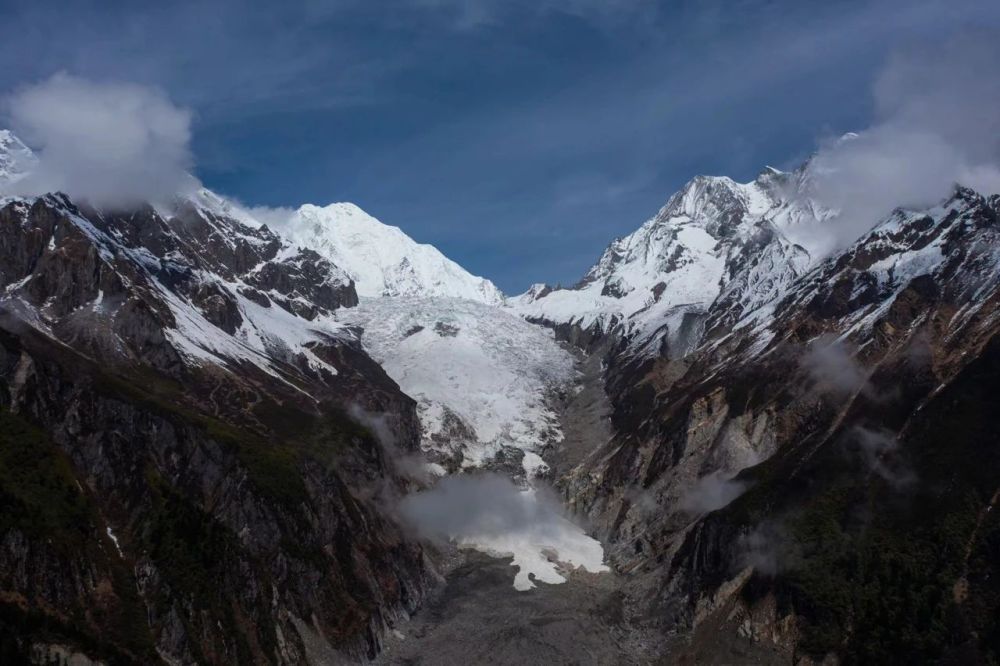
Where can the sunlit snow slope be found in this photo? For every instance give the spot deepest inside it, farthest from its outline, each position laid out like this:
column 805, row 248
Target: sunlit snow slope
column 715, row 239
column 382, row 259
column 16, row 159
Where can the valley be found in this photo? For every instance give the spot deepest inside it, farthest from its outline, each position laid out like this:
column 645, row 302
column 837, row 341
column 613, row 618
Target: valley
column 318, row 441
column 476, row 615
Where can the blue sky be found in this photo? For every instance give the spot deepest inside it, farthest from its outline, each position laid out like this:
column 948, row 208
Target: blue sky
column 519, row 137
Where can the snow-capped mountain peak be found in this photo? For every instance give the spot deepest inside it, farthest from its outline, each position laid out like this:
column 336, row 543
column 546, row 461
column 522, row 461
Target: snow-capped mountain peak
column 382, row 259
column 714, row 238
column 16, row 159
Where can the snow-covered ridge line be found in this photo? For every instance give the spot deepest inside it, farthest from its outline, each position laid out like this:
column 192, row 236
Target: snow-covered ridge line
column 271, row 331
column 714, row 240
column 382, row 259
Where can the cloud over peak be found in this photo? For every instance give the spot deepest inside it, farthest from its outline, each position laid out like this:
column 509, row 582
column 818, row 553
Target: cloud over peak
column 935, row 126
column 112, row 144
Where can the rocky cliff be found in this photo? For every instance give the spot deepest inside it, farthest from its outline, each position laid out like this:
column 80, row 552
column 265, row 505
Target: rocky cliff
column 813, row 479
column 181, row 478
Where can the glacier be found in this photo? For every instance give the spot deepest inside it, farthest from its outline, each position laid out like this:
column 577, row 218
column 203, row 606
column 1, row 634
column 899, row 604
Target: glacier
column 482, row 377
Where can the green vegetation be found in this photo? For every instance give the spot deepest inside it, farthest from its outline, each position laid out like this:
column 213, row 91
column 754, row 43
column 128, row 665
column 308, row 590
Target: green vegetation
column 40, row 498
column 19, row 627
column 895, row 574
column 271, row 446
column 274, row 463
column 879, row 591
column 38, row 492
column 195, row 554
column 190, row 546
column 983, row 596
column 197, row 557
column 271, row 442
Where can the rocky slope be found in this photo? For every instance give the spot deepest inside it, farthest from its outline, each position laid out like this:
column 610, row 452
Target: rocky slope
column 182, row 480
column 805, row 470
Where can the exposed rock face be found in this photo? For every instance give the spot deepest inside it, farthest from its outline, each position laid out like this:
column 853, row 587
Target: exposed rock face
column 174, row 396
column 806, row 469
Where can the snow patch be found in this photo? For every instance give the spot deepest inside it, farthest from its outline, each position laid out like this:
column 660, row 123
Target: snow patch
column 114, row 540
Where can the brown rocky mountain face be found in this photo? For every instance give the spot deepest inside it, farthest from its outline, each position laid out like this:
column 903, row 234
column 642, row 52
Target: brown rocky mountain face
column 179, row 483
column 818, row 482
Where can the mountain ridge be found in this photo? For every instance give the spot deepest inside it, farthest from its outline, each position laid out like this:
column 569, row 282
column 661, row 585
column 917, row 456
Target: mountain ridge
column 703, row 244
column 776, row 417
column 382, row 258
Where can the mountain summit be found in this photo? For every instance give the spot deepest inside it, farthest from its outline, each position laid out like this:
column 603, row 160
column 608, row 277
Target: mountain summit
column 382, row 259
column 713, row 239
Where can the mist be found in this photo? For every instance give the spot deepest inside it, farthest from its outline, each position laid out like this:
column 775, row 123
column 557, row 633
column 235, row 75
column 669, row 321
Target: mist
column 490, row 513
column 768, row 548
column 113, row 145
column 410, row 465
column 832, row 366
column 936, row 125
column 475, row 505
column 877, row 448
column 712, row 492
column 274, row 217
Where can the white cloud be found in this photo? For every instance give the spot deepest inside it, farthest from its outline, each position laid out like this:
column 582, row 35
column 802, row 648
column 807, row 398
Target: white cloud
column 491, row 514
column 274, row 217
column 712, row 492
column 936, row 125
column 833, row 367
column 112, row 144
column 767, row 548
column 878, row 449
